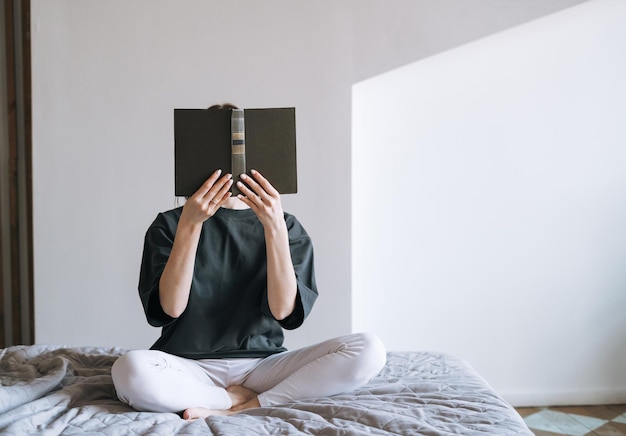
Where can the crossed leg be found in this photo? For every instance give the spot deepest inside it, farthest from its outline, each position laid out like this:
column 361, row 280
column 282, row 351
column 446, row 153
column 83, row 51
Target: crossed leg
column 160, row 382
column 330, row 367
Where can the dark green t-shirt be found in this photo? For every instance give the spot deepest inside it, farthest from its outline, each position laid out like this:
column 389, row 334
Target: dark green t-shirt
column 227, row 314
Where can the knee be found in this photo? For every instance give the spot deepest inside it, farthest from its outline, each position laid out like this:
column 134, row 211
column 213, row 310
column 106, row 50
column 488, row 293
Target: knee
column 375, row 352
column 126, row 366
column 370, row 358
column 128, row 373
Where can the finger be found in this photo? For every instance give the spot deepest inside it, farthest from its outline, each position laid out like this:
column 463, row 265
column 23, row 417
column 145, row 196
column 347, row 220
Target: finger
column 219, row 203
column 217, row 187
column 267, row 186
column 222, row 194
column 206, row 186
column 254, row 187
column 250, row 195
column 247, row 201
column 226, row 197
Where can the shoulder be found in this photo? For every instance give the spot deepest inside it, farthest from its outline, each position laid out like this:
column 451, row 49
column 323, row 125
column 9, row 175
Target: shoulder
column 172, row 215
column 294, row 226
column 291, row 220
column 167, row 220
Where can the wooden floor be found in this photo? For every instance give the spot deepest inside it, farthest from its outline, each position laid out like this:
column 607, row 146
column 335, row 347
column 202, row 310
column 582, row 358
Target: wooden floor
column 576, row 420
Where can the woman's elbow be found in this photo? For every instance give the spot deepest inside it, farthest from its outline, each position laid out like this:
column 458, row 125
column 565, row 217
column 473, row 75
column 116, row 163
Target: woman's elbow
column 172, row 309
column 172, row 312
column 281, row 312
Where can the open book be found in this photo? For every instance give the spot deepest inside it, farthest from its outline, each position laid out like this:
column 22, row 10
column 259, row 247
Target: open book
column 235, row 141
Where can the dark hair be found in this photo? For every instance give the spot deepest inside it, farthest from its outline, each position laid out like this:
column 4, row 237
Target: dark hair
column 224, row 106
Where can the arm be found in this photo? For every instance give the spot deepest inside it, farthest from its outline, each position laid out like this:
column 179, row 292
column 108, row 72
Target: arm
column 175, row 282
column 264, row 200
column 281, row 278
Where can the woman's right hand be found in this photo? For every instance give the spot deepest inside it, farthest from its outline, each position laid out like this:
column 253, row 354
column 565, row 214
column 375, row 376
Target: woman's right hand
column 203, row 204
column 175, row 282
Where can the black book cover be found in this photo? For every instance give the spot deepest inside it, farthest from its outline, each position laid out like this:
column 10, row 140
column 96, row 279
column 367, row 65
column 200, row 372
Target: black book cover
column 203, row 144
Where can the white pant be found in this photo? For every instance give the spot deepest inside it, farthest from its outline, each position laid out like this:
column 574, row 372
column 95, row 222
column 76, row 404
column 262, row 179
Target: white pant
column 156, row 381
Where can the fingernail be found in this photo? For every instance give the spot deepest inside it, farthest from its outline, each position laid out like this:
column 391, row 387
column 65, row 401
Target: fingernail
column 243, row 176
column 219, row 171
column 253, row 171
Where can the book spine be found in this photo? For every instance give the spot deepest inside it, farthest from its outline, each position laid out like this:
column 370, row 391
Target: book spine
column 238, row 146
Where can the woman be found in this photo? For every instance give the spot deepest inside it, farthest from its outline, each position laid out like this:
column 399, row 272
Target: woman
column 222, row 276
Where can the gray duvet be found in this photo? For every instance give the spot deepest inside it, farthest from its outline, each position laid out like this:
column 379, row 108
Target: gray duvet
column 53, row 390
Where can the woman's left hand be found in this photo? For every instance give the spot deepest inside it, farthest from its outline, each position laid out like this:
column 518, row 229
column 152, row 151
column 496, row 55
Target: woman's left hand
column 263, row 199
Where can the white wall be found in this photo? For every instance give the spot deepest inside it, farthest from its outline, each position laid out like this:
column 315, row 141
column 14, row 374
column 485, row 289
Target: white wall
column 392, row 33
column 106, row 78
column 489, row 202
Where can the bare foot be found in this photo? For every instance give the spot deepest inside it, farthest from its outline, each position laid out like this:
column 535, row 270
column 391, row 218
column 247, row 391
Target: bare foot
column 194, row 413
column 250, row 404
column 242, row 399
column 239, row 394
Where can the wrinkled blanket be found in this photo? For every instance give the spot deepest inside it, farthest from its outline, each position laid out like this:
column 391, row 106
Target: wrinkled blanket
column 54, row 390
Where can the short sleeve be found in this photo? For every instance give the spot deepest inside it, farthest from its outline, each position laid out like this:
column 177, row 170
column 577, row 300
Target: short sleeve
column 301, row 248
column 158, row 244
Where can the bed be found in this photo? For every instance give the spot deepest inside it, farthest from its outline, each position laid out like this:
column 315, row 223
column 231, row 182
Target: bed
column 64, row 390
